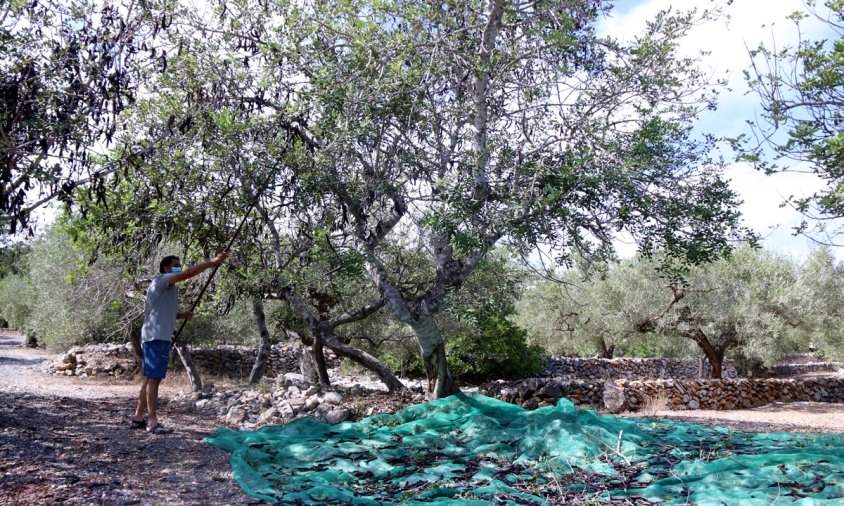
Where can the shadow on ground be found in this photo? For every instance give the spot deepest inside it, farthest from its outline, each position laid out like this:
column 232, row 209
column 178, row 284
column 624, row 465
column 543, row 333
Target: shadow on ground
column 21, row 361
column 76, row 451
column 11, row 340
column 821, row 408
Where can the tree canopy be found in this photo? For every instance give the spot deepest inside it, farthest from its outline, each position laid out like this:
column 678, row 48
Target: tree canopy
column 753, row 306
column 68, row 69
column 450, row 127
column 801, row 127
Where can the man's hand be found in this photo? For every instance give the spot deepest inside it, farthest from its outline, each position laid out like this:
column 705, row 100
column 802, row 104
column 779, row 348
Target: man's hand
column 184, row 316
column 217, row 260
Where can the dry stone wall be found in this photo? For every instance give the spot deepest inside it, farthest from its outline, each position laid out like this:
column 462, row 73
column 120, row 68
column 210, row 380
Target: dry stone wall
column 237, row 361
column 629, row 368
column 791, row 370
column 229, row 361
column 633, row 395
column 616, row 384
column 537, row 392
column 725, row 393
column 96, row 360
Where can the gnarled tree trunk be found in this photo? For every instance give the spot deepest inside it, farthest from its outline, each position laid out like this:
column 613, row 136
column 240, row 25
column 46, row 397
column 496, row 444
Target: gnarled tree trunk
column 137, row 348
column 606, row 352
column 319, row 359
column 307, row 364
column 714, row 353
column 432, row 345
column 688, row 326
column 190, row 368
column 263, row 355
column 31, row 341
column 365, row 359
column 324, row 335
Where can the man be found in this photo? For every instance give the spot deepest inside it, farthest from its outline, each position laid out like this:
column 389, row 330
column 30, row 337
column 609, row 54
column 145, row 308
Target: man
column 160, row 315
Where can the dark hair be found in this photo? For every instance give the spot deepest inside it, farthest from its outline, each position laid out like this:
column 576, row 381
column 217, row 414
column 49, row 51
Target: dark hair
column 165, row 262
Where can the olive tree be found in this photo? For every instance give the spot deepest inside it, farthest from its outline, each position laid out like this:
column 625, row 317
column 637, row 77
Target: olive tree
column 589, row 311
column 822, row 282
column 467, row 123
column 752, row 304
column 64, row 300
column 750, row 301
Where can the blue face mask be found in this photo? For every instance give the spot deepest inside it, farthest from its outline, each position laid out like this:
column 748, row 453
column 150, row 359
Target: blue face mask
column 174, row 270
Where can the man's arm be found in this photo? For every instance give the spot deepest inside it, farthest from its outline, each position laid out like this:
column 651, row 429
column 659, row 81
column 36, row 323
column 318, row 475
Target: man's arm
column 197, row 269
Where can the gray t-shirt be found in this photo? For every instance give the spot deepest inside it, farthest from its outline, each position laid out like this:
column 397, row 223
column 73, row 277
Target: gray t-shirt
column 162, row 304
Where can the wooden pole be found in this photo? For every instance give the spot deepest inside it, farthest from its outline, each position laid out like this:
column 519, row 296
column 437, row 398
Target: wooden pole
column 213, row 272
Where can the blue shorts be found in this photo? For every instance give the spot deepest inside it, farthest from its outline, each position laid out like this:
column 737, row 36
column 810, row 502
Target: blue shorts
column 156, row 357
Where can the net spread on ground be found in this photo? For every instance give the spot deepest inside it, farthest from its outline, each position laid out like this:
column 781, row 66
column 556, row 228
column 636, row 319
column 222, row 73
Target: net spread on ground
column 472, row 449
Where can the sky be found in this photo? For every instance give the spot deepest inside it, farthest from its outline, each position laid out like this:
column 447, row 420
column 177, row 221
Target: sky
column 750, row 23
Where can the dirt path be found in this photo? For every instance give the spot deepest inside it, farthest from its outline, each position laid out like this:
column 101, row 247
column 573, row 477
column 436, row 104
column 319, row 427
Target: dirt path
column 775, row 417
column 66, row 440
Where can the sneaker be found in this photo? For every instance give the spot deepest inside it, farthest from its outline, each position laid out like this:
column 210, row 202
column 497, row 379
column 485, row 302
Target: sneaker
column 137, row 424
column 159, row 429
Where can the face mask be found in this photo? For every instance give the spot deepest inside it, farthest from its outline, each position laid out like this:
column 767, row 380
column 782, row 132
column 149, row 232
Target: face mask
column 174, row 270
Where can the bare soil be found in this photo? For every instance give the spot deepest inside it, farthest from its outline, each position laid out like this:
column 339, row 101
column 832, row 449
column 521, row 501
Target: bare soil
column 774, row 417
column 66, row 440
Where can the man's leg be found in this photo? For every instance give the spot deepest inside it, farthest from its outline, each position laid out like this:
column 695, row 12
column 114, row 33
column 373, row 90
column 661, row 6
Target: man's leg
column 152, row 400
column 142, row 403
column 157, row 354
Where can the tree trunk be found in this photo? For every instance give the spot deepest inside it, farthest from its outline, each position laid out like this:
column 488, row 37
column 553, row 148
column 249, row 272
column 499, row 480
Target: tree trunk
column 323, row 334
column 190, row 368
column 263, row 355
column 135, row 339
column 716, row 361
column 711, row 354
column 432, row 345
column 715, row 353
column 319, row 360
column 307, row 365
column 365, row 359
column 605, row 352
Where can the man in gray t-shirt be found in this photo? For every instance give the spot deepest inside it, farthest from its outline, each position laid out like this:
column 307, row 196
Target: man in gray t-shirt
column 160, row 315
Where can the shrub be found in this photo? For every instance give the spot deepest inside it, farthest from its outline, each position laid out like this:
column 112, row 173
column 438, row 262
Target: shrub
column 75, row 302
column 490, row 348
column 17, row 297
column 496, row 349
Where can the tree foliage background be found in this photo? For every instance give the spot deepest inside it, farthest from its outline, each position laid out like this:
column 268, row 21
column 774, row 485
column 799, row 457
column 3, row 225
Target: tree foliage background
column 752, row 306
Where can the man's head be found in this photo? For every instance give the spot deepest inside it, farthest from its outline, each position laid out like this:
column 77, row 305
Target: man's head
column 168, row 263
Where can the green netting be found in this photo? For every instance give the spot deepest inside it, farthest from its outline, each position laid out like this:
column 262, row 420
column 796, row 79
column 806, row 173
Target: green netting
column 472, row 449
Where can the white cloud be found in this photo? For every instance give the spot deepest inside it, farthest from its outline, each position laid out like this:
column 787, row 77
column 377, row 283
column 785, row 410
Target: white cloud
column 762, row 210
column 747, row 24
